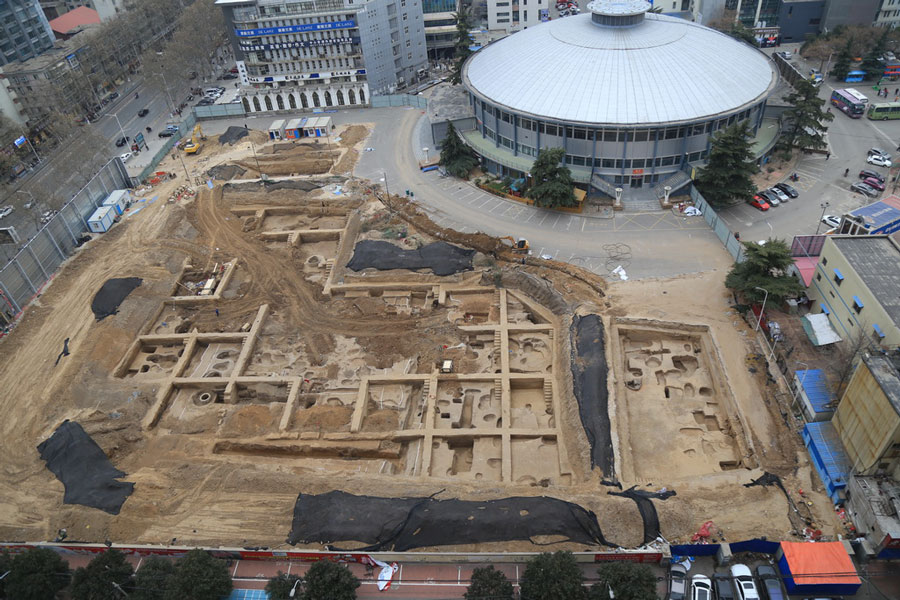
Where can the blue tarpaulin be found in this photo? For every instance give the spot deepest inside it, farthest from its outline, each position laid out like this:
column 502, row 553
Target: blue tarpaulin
column 828, row 456
column 816, row 389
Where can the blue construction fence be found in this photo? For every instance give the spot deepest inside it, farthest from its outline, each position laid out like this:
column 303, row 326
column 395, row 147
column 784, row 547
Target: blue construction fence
column 758, row 546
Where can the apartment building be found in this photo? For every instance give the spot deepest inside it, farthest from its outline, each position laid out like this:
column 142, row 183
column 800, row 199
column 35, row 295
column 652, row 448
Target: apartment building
column 322, row 53
column 24, row 31
column 513, row 15
column 107, row 9
column 440, row 27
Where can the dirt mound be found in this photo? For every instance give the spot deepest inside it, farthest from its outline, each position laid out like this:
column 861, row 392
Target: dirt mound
column 249, row 421
column 233, row 134
column 225, row 172
column 324, row 418
column 352, row 135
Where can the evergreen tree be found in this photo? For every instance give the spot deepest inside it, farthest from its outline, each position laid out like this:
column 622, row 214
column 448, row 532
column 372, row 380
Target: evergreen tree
column 552, row 577
column 199, row 576
column 280, row 586
column 806, row 117
column 842, row 62
column 5, row 567
column 487, row 582
column 106, row 577
column 461, row 46
column 730, row 167
column 36, row 574
column 764, row 266
column 153, row 579
column 552, row 183
column 873, row 67
column 628, row 581
column 326, row 580
column 456, row 157
column 739, row 32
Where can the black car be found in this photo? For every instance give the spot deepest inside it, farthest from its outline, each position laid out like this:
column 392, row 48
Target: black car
column 113, row 96
column 865, row 174
column 166, row 133
column 787, row 189
column 121, row 142
column 770, row 583
column 143, row 112
column 724, row 588
column 206, row 102
column 229, row 76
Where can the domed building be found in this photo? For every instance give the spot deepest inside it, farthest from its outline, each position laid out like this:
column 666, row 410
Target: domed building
column 633, row 97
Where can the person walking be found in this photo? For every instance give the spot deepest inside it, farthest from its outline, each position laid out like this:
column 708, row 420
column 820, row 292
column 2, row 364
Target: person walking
column 846, row 172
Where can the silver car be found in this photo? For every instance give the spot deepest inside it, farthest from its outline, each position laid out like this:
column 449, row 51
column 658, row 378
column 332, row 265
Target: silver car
column 864, row 189
column 678, row 582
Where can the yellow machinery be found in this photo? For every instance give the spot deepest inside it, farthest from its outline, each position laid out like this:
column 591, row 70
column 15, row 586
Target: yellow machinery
column 519, row 246
column 194, row 146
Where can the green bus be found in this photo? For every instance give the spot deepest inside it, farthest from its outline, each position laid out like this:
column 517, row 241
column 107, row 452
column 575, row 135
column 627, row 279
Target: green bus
column 884, row 111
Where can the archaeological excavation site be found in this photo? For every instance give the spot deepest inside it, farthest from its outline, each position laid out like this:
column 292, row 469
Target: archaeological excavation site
column 307, row 361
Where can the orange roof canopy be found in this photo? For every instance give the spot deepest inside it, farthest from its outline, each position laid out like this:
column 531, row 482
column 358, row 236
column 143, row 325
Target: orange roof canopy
column 819, row 562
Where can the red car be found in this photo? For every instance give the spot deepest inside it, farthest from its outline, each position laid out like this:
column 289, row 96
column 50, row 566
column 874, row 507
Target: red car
column 760, row 203
column 874, row 183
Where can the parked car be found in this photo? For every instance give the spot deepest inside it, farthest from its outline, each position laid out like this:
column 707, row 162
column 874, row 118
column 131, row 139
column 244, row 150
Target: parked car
column 780, row 193
column 786, row 55
column 171, row 127
column 771, row 198
column 832, row 221
column 724, row 587
column 874, row 183
column 878, row 160
column 166, row 133
column 229, row 76
column 126, row 157
column 113, row 96
column 6, row 211
column 677, row 582
column 770, row 583
column 47, row 216
column 787, row 189
column 760, row 203
column 143, row 112
column 865, row 174
column 701, row 587
column 121, row 142
column 744, row 587
column 864, row 189
column 233, row 69
column 206, row 102
column 879, row 152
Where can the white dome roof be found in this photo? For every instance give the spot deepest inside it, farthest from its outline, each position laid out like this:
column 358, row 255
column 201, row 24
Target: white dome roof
column 662, row 70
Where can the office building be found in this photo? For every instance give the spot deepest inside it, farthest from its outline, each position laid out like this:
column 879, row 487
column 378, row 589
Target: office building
column 440, row 27
column 24, row 31
column 514, row 15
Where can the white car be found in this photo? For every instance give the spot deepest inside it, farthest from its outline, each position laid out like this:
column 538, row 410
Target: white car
column 701, row 588
column 126, row 157
column 743, row 583
column 832, row 221
column 6, row 211
column 47, row 216
column 878, row 160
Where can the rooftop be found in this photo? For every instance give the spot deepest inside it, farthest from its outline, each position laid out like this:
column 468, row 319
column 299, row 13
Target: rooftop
column 73, row 19
column 885, row 373
column 59, row 52
column 661, row 70
column 876, row 259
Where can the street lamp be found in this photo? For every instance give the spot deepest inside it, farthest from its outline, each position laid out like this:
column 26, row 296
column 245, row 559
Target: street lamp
column 119, row 123
column 824, row 206
column 119, row 587
column 252, row 147
column 766, row 297
column 294, row 589
column 426, row 153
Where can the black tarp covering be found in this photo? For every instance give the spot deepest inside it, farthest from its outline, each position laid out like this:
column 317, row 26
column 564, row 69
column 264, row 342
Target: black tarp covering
column 442, row 258
column 401, row 524
column 82, row 467
column 106, row 302
column 643, row 499
column 589, row 373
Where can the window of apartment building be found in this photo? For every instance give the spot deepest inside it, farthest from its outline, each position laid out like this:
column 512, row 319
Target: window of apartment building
column 838, row 278
column 824, row 261
column 857, row 304
column 502, row 14
column 408, row 43
column 404, row 16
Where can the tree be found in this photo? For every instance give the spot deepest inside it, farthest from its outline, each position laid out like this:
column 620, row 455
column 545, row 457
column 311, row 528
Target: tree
column 5, row 567
column 280, row 586
column 739, row 32
column 871, row 64
column 730, row 167
column 551, row 577
column 199, row 576
column 463, row 41
column 326, row 580
column 806, row 117
column 105, row 577
column 36, row 574
column 487, row 582
column 765, row 266
column 628, row 581
column 842, row 62
column 553, row 185
column 152, row 579
column 456, row 157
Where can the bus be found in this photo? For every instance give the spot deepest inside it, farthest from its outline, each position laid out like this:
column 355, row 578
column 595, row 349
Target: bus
column 884, row 111
column 850, row 102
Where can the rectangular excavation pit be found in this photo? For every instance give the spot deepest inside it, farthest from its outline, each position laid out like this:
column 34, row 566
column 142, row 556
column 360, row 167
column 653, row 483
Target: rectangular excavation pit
column 535, row 461
column 155, row 360
column 194, row 408
column 476, row 458
column 325, row 412
column 530, row 352
column 674, row 407
column 176, row 319
column 345, row 450
column 213, row 359
column 206, row 281
column 477, row 308
column 393, row 407
column 531, row 404
column 468, row 404
column 295, row 222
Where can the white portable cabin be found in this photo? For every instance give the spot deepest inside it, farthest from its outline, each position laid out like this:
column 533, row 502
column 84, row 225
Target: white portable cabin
column 102, row 219
column 118, row 199
column 317, row 127
column 276, row 130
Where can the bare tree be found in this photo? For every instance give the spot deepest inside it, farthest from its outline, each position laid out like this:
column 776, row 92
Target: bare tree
column 844, row 356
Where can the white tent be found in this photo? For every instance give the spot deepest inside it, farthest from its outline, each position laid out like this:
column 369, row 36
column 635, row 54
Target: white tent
column 819, row 330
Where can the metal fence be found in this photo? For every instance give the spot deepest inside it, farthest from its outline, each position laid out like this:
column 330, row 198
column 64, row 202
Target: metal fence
column 36, row 262
column 215, row 111
column 398, row 100
column 184, row 128
column 731, row 243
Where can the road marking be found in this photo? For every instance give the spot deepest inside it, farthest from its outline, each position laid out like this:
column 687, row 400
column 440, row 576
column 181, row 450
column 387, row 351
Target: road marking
column 583, row 223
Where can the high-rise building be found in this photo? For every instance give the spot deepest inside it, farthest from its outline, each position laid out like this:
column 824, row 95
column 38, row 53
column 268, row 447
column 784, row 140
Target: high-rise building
column 440, row 27
column 513, row 15
column 107, row 9
column 24, row 31
column 297, row 55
